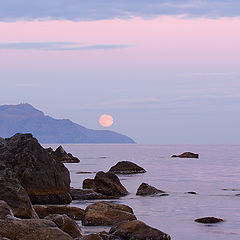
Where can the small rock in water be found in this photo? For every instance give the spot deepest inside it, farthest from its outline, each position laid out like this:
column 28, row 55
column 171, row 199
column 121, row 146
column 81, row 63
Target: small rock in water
column 208, row 220
column 145, row 189
column 191, row 192
column 126, row 167
column 186, row 155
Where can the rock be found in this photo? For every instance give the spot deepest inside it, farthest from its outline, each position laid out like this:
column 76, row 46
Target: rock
column 191, row 193
column 107, row 184
column 145, row 189
column 86, row 194
column 186, row 155
column 137, row 230
column 45, row 179
column 29, row 229
column 88, row 183
column 126, row 167
column 5, row 210
column 63, row 156
column 72, row 212
column 92, row 236
column 15, row 195
column 209, row 220
column 66, row 224
column 107, row 214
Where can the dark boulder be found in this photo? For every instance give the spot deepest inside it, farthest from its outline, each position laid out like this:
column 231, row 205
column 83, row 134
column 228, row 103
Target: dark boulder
column 137, row 230
column 107, row 184
column 88, row 183
column 72, row 212
column 92, row 236
column 208, row 220
column 86, row 194
column 186, row 155
column 107, row 214
column 12, row 192
column 126, row 167
column 45, row 179
column 145, row 189
column 5, row 210
column 62, row 155
column 66, row 224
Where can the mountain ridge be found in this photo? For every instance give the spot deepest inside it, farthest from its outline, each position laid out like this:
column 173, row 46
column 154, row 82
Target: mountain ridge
column 24, row 118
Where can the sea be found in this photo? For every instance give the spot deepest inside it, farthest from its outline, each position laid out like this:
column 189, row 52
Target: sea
column 215, row 177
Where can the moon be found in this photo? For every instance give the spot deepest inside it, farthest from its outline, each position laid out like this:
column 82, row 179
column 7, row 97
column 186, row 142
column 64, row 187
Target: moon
column 106, row 120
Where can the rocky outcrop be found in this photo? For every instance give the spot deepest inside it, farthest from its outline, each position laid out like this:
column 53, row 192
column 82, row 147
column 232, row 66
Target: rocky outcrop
column 86, row 194
column 145, row 189
column 126, row 167
column 93, row 236
column 5, row 210
column 137, row 230
column 107, row 184
column 66, row 224
column 107, row 214
column 72, row 212
column 45, row 179
column 186, row 155
column 15, row 195
column 88, row 183
column 208, row 220
column 62, row 155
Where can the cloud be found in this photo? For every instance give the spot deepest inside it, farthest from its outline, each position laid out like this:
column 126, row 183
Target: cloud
column 58, row 46
column 12, row 10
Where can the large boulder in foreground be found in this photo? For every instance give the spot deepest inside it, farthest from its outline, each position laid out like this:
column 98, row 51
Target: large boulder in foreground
column 66, row 224
column 186, row 155
column 208, row 220
column 12, row 192
column 72, row 212
column 45, row 179
column 137, row 230
column 62, row 155
column 107, row 214
column 107, row 184
column 126, row 167
column 146, row 189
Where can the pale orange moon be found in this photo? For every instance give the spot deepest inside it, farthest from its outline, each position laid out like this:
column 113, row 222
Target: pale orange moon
column 106, row 120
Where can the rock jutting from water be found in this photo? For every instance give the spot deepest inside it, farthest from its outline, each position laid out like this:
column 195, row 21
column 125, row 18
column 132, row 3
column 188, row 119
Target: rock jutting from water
column 146, row 189
column 186, row 155
column 107, row 184
column 126, row 167
column 137, row 230
column 62, row 155
column 45, row 179
column 208, row 220
column 107, row 214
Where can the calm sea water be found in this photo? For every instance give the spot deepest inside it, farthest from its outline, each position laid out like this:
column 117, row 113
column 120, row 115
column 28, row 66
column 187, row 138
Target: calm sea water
column 218, row 168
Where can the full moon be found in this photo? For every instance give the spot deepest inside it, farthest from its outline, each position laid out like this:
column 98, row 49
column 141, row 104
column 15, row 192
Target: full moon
column 106, row 120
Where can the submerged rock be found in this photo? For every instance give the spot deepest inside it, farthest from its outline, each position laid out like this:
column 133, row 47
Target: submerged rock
column 72, row 212
column 107, row 184
column 62, row 155
column 126, row 167
column 66, row 224
column 186, row 155
column 45, row 179
column 208, row 220
column 86, row 194
column 107, row 214
column 137, row 230
column 146, row 189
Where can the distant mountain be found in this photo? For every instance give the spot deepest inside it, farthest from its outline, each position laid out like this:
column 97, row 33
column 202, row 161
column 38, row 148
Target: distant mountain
column 24, row 118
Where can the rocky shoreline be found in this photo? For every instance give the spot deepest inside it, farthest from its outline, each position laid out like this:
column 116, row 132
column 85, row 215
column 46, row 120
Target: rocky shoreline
column 35, row 190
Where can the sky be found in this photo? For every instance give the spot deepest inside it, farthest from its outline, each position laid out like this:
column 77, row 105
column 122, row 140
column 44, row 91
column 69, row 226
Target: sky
column 167, row 71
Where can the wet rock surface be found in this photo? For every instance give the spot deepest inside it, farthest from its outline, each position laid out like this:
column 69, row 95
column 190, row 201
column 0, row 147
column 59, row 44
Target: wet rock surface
column 126, row 167
column 208, row 220
column 72, row 212
column 146, row 189
column 62, row 155
column 66, row 224
column 107, row 184
column 186, row 155
column 137, row 230
column 45, row 179
column 107, row 214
